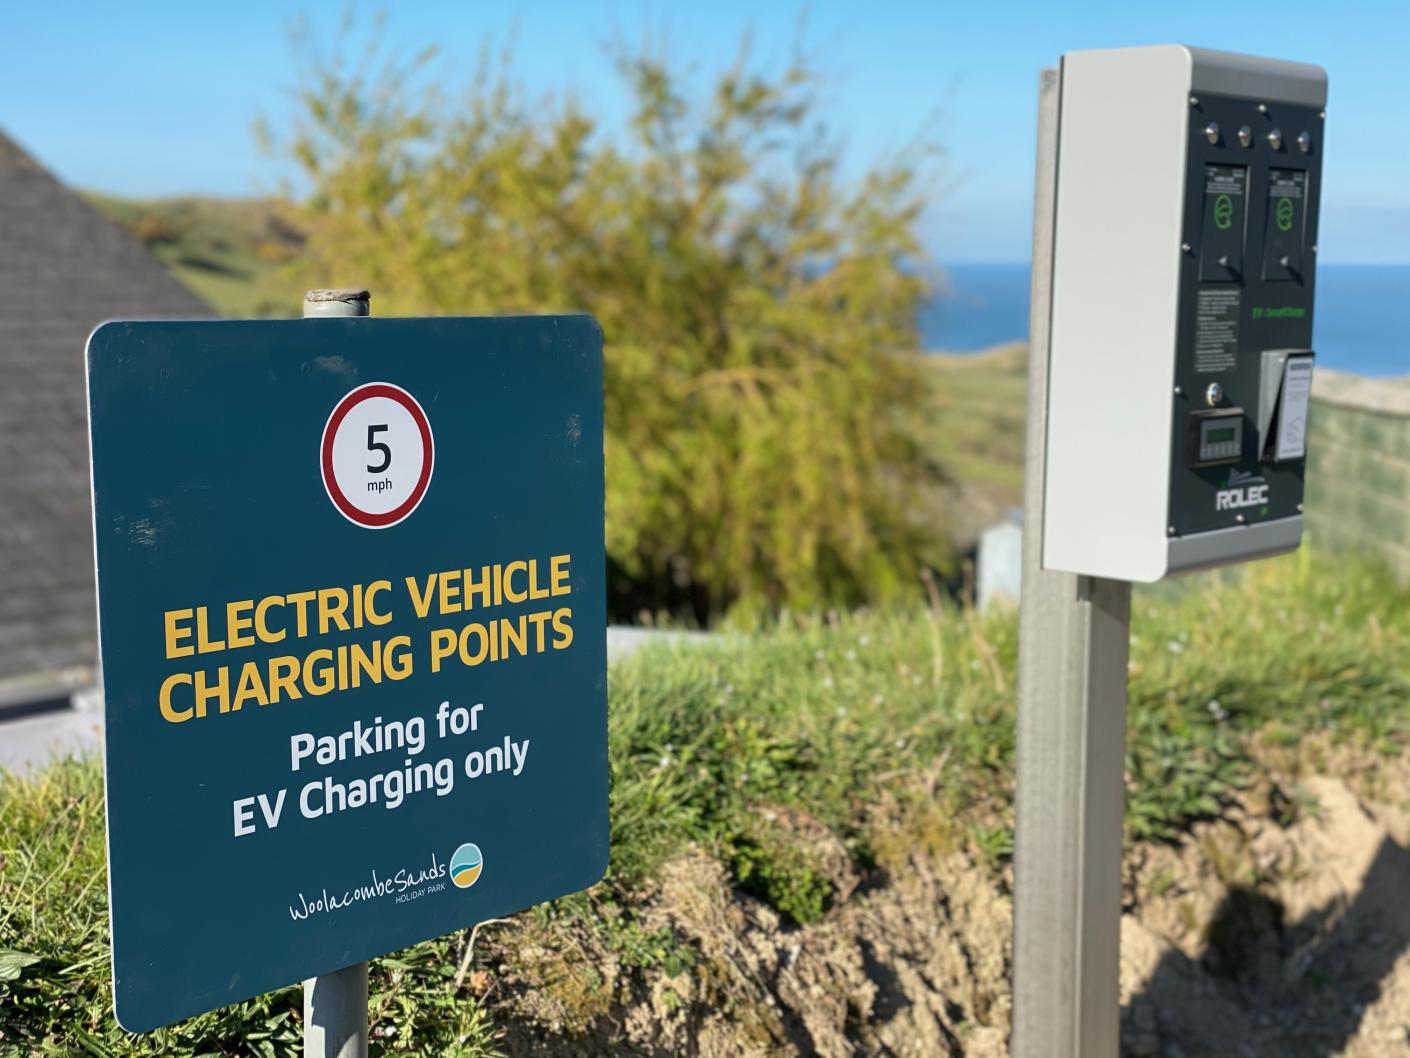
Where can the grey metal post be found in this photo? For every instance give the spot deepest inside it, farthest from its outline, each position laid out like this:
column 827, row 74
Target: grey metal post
column 318, row 303
column 1074, row 637
column 335, row 1004
column 335, row 1014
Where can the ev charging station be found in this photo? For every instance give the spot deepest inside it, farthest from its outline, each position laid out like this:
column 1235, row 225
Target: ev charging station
column 1170, row 371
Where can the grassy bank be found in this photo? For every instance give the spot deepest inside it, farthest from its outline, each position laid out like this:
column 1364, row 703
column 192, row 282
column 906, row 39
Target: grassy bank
column 797, row 759
column 229, row 251
column 977, row 435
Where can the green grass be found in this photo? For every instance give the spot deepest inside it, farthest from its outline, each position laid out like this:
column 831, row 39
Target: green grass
column 54, row 972
column 880, row 731
column 228, row 250
column 825, row 716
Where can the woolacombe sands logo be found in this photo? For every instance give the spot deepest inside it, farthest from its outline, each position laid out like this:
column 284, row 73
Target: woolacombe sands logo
column 466, row 865
column 377, row 455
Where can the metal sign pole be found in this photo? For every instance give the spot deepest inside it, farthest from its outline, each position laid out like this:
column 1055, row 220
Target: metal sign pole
column 335, row 1004
column 1074, row 639
column 335, row 1014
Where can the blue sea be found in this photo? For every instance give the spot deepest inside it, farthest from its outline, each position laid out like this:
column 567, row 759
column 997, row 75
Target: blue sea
column 1360, row 323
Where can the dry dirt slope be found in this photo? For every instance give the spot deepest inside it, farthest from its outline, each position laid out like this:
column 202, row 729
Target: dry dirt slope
column 1282, row 931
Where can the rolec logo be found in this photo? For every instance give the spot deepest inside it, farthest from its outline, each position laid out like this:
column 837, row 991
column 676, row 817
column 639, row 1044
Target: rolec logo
column 1244, row 490
column 466, row 865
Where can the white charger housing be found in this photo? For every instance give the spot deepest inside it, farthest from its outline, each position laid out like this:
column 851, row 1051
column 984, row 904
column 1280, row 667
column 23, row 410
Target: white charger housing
column 1180, row 343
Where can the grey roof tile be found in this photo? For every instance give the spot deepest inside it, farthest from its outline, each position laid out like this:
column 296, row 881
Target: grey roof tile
column 63, row 270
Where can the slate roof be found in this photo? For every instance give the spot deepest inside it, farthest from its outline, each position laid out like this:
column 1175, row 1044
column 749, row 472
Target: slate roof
column 63, row 270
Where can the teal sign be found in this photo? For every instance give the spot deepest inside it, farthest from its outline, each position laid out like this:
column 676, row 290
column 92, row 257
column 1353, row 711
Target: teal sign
column 352, row 619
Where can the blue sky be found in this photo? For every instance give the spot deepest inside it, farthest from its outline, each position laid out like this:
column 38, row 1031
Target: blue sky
column 159, row 98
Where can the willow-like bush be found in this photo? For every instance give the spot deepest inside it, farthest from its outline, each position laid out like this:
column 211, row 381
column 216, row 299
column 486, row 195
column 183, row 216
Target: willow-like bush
column 764, row 388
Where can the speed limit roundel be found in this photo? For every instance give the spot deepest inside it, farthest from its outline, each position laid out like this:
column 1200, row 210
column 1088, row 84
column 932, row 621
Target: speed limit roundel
column 377, row 455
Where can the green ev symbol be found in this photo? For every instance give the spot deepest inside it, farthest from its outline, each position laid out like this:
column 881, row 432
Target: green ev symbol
column 1223, row 212
column 1284, row 214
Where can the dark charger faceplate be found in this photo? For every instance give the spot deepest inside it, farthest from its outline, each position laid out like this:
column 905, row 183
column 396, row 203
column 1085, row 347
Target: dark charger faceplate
column 1247, row 279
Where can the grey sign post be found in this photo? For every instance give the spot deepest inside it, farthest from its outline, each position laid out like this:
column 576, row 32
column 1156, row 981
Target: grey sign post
column 335, row 1004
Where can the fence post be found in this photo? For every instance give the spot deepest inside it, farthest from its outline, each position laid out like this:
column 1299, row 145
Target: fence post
column 335, row 1004
column 1074, row 634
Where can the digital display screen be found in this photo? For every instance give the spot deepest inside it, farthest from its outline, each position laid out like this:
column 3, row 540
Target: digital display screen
column 1220, row 437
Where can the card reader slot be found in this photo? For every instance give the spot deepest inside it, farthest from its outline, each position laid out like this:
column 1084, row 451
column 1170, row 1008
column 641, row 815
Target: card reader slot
column 1285, row 393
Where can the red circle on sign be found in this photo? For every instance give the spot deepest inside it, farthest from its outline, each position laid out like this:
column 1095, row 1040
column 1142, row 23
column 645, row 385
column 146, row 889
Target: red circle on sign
column 330, row 430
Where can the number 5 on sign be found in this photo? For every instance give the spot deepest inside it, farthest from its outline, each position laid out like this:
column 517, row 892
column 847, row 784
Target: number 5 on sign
column 374, row 445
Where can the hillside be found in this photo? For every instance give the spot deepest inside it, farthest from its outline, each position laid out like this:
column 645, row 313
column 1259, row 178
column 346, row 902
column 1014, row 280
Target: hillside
column 977, row 434
column 228, row 250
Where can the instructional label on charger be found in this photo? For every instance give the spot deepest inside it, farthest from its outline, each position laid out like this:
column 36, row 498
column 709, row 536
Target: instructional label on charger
column 1221, row 258
column 1292, row 416
column 1217, row 330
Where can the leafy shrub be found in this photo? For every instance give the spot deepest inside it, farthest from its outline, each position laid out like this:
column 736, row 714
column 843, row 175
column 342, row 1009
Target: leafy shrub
column 763, row 387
